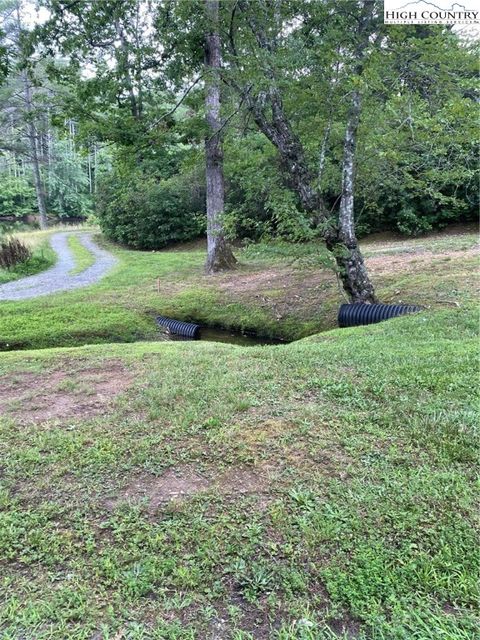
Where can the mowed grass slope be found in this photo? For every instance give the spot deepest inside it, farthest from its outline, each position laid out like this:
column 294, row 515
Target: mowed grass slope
column 317, row 490
column 278, row 290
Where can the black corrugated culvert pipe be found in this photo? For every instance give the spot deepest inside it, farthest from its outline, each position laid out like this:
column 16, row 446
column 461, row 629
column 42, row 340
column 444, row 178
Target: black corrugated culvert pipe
column 179, row 328
column 354, row 315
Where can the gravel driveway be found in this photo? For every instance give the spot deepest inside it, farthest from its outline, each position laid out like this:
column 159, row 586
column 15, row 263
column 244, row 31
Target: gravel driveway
column 58, row 277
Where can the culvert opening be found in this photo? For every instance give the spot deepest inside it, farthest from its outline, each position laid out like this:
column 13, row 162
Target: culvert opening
column 176, row 330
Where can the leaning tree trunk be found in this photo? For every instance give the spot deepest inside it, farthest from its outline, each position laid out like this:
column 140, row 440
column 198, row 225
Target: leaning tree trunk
column 343, row 244
column 219, row 254
column 275, row 125
column 340, row 238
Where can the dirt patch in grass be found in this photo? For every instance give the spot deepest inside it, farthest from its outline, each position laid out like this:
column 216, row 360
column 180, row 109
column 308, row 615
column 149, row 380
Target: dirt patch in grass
column 254, row 619
column 416, row 260
column 185, row 481
column 62, row 393
column 281, row 290
column 345, row 628
column 257, row 281
column 175, row 484
column 242, row 481
column 308, row 293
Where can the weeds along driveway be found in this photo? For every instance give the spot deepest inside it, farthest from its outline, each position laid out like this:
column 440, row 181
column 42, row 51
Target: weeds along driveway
column 60, row 277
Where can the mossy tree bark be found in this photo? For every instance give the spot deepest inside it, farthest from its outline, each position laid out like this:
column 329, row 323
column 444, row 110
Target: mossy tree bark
column 349, row 259
column 270, row 116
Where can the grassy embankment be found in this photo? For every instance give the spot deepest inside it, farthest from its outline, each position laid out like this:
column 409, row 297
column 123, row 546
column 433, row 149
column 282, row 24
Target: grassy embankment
column 177, row 491
column 279, row 291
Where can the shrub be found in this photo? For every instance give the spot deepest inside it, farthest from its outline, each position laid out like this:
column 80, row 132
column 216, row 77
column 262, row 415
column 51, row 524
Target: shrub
column 143, row 212
column 258, row 203
column 13, row 252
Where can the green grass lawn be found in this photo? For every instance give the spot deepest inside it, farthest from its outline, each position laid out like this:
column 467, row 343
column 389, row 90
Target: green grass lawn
column 279, row 290
column 82, row 256
column 177, row 491
column 317, row 490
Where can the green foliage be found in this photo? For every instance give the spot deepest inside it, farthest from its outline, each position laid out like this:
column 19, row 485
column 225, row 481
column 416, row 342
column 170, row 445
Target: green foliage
column 67, row 183
column 420, row 170
column 17, row 197
column 4, row 66
column 143, row 212
column 416, row 156
column 259, row 204
column 413, row 222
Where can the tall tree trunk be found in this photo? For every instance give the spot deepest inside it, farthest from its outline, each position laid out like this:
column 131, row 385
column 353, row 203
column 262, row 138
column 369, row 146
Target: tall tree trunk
column 33, row 138
column 37, row 177
column 351, row 266
column 219, row 253
column 350, row 263
column 34, row 154
column 339, row 238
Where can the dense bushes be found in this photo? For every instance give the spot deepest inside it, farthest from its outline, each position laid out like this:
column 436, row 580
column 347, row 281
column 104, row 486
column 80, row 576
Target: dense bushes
column 143, row 212
column 259, row 203
column 417, row 165
column 17, row 197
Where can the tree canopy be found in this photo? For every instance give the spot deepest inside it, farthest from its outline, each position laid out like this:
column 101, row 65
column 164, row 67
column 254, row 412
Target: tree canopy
column 327, row 116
